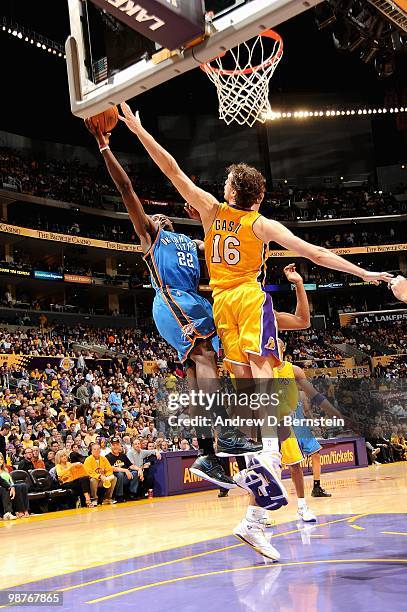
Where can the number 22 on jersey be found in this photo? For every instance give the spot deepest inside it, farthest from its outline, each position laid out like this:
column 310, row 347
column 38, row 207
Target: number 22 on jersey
column 185, row 259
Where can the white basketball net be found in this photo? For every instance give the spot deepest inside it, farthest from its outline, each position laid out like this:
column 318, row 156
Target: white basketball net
column 243, row 92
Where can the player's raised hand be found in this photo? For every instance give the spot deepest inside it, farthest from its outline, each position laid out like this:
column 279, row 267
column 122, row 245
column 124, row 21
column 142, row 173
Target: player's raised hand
column 399, row 287
column 102, row 139
column 129, row 118
column 191, row 212
column 291, row 274
column 376, row 277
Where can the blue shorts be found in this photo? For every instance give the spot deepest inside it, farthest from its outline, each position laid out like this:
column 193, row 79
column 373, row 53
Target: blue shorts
column 184, row 319
column 307, row 442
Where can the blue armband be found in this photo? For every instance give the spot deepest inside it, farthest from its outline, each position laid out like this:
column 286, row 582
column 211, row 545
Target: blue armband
column 318, row 399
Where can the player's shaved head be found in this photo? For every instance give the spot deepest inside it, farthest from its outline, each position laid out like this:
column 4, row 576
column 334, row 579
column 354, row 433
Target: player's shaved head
column 245, row 186
column 163, row 221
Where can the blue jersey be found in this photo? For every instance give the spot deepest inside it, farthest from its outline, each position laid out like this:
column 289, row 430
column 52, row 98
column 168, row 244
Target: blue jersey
column 299, row 411
column 173, row 262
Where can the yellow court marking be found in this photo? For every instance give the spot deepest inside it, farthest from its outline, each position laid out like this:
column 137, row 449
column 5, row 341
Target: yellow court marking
column 148, row 567
column 358, row 516
column 357, row 527
column 403, row 533
column 239, row 569
column 181, row 559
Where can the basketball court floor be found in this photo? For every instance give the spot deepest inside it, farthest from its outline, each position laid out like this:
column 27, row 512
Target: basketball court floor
column 176, row 553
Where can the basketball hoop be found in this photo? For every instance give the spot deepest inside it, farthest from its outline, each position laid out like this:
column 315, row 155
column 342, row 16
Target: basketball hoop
column 243, row 90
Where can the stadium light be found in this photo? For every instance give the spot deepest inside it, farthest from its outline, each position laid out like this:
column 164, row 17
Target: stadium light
column 351, row 112
column 27, row 35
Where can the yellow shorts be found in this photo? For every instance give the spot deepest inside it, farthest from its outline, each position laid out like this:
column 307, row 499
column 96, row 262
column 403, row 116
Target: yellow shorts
column 290, row 451
column 246, row 323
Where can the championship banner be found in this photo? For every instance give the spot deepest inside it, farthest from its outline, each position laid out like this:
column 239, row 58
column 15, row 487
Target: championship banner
column 5, row 228
column 150, row 367
column 383, row 248
column 348, row 371
column 373, row 316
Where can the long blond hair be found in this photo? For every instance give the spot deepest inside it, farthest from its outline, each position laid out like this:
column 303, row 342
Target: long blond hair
column 59, row 454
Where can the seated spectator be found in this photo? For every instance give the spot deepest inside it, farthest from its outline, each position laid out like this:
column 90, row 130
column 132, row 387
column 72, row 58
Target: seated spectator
column 176, row 444
column 398, row 450
column 139, row 458
column 37, row 460
column 126, row 473
column 73, row 476
column 12, row 494
column 90, row 437
column 75, row 456
column 372, row 453
column 150, row 430
column 7, row 493
column 194, row 444
column 50, row 460
column 101, row 475
column 26, row 462
column 115, row 399
column 185, row 445
column 104, row 447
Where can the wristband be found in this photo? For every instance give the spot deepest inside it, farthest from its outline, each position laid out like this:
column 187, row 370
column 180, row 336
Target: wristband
column 105, row 148
column 318, row 399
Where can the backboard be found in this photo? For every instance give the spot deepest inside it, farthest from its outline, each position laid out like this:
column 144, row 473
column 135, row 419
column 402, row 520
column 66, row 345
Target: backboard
column 108, row 62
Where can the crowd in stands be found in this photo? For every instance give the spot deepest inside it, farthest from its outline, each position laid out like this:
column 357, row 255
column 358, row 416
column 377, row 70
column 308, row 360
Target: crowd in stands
column 82, row 184
column 72, row 181
column 97, row 424
column 342, row 202
column 321, row 346
column 373, row 339
column 312, row 348
column 97, row 427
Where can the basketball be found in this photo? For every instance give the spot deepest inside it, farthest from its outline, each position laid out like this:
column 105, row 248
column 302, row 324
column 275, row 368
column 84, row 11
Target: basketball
column 106, row 120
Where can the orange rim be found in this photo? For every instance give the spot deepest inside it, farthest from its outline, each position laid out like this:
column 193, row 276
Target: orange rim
column 267, row 34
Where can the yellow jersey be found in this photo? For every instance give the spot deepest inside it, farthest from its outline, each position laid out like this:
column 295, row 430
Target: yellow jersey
column 287, row 388
column 233, row 253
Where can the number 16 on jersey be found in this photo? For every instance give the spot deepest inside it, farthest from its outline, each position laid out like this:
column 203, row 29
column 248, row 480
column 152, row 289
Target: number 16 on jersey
column 225, row 251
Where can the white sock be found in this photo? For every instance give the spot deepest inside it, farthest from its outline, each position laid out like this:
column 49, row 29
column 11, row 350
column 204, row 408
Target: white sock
column 255, row 514
column 301, row 503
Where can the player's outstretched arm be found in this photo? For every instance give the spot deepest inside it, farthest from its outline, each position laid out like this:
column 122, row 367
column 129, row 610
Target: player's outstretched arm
column 203, row 201
column 273, row 231
column 144, row 226
column 301, row 318
column 313, row 394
